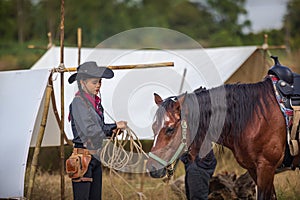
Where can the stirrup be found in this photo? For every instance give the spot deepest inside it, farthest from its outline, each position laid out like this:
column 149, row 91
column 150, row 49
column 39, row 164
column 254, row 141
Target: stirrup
column 294, row 147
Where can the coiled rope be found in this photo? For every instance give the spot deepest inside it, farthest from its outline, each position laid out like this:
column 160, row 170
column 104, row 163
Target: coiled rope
column 114, row 156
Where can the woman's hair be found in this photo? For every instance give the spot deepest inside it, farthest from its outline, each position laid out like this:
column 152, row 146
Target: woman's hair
column 82, row 92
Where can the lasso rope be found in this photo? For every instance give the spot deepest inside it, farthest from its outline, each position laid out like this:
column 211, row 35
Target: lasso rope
column 114, row 156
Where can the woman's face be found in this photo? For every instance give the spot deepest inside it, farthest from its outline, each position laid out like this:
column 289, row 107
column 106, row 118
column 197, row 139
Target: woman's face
column 91, row 85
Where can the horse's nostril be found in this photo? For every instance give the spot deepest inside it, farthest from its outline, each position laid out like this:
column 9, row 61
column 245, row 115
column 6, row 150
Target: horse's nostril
column 157, row 172
column 153, row 169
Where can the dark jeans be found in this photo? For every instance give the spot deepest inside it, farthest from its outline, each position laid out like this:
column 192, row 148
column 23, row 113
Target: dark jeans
column 198, row 174
column 90, row 190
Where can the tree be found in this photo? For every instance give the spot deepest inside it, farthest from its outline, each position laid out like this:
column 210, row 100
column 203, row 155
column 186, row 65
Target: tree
column 192, row 20
column 292, row 24
column 24, row 21
column 8, row 23
column 226, row 14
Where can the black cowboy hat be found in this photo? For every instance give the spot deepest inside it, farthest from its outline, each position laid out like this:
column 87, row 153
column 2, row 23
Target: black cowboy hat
column 91, row 70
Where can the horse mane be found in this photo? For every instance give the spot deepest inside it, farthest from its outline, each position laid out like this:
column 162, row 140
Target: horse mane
column 214, row 114
column 235, row 104
column 168, row 102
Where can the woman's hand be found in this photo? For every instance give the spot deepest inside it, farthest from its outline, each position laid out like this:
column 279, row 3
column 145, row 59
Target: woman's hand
column 121, row 125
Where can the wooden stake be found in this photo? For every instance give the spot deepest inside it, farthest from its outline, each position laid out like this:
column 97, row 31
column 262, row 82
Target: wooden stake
column 39, row 140
column 69, row 142
column 182, row 80
column 62, row 151
column 79, row 43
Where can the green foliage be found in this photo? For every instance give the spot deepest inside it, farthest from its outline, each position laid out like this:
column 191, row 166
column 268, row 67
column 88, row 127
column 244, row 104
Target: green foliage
column 191, row 20
column 17, row 56
column 227, row 13
column 102, row 19
column 225, row 38
column 292, row 24
column 210, row 22
column 8, row 28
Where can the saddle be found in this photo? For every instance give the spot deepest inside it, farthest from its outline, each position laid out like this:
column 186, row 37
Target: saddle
column 287, row 89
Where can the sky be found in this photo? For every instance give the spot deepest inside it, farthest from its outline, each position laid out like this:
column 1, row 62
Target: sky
column 266, row 14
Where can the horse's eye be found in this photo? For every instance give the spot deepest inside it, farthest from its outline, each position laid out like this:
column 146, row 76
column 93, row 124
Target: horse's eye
column 169, row 130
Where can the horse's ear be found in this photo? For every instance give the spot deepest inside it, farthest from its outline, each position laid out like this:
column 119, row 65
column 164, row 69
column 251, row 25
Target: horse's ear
column 158, row 100
column 182, row 98
column 179, row 101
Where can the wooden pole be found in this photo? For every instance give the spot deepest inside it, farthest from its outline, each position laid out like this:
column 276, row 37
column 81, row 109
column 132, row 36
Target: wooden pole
column 265, row 47
column 182, row 80
column 142, row 66
column 117, row 67
column 62, row 150
column 39, row 140
column 62, row 103
column 79, row 44
column 69, row 142
column 50, row 43
column 62, row 33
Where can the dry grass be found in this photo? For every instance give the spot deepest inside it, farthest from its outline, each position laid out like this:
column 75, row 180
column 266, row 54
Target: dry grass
column 287, row 184
column 47, row 186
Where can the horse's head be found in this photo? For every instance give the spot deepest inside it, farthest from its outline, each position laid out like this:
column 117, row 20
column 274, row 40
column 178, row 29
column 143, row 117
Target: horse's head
column 170, row 132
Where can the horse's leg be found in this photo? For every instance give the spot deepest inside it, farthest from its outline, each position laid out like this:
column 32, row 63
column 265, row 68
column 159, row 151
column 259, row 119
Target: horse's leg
column 265, row 186
column 253, row 175
column 274, row 192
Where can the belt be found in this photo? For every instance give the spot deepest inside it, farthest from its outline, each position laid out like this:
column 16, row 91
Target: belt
column 84, row 179
column 84, row 151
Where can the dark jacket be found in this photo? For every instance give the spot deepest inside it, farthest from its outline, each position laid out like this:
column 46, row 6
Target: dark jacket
column 208, row 162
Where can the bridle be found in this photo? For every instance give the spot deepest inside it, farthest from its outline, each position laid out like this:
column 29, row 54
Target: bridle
column 182, row 147
column 170, row 165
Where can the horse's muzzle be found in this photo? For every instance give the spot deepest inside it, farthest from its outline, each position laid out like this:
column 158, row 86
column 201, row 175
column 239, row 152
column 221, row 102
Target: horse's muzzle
column 157, row 173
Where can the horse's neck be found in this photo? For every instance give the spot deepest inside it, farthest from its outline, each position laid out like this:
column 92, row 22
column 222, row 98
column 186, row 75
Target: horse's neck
column 229, row 116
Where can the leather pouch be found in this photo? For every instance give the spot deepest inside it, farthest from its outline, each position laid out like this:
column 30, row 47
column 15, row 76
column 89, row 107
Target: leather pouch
column 77, row 164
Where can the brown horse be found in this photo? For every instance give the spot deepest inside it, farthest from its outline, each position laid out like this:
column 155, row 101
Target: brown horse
column 246, row 118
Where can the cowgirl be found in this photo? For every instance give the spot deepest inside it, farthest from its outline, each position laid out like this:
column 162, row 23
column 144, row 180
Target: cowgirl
column 89, row 128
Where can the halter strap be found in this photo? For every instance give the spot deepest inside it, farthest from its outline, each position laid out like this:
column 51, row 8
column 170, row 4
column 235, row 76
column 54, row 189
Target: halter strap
column 182, row 146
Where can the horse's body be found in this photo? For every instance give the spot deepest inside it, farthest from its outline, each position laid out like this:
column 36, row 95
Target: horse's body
column 251, row 122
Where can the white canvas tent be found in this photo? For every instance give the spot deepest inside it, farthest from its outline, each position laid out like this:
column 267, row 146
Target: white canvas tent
column 130, row 89
column 128, row 96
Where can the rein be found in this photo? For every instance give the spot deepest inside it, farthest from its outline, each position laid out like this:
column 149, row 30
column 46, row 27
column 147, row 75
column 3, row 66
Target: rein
column 182, row 146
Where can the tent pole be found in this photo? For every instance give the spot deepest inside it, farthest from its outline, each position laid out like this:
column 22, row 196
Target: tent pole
column 62, row 134
column 79, row 44
column 62, row 151
column 39, row 138
column 265, row 47
column 182, row 81
column 133, row 66
column 69, row 142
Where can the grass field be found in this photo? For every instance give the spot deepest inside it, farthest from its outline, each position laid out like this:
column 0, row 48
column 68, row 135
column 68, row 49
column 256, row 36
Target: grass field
column 47, row 185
